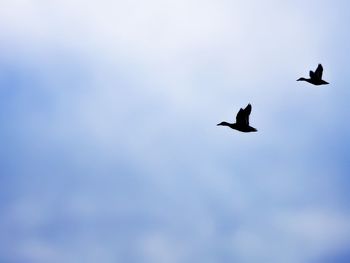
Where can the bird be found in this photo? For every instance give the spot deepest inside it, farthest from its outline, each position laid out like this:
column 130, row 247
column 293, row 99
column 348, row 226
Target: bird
column 315, row 77
column 242, row 121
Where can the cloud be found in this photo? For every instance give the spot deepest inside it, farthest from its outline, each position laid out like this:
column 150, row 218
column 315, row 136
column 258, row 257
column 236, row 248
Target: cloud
column 111, row 143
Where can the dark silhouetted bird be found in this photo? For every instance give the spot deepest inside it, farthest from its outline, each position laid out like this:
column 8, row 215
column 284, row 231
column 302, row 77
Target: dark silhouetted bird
column 242, row 121
column 315, row 77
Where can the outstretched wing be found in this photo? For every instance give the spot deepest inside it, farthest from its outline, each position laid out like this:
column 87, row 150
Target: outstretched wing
column 319, row 71
column 311, row 74
column 240, row 118
column 243, row 115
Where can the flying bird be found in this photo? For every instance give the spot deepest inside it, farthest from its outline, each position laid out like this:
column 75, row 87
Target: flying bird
column 242, row 121
column 315, row 77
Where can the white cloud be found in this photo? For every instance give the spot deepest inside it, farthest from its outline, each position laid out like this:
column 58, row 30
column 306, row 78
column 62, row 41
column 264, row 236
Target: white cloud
column 154, row 79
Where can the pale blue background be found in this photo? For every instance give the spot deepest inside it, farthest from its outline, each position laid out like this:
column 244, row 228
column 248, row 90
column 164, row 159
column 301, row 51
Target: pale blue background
column 109, row 146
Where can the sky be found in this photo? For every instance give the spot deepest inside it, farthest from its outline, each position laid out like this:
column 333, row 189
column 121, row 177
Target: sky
column 109, row 146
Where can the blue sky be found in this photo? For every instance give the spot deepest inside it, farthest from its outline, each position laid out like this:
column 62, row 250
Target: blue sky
column 109, row 146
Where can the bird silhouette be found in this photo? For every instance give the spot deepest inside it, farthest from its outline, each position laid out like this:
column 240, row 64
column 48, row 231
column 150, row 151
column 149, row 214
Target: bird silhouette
column 315, row 77
column 242, row 121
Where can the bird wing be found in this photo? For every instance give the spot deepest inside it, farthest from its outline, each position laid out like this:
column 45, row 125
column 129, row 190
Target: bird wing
column 243, row 115
column 319, row 71
column 312, row 74
column 240, row 117
column 248, row 110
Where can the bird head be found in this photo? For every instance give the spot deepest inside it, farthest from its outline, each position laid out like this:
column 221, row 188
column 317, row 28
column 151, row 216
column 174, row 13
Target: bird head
column 223, row 123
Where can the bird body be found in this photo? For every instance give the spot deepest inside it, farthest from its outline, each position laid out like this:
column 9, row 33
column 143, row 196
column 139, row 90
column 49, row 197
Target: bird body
column 242, row 121
column 315, row 77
